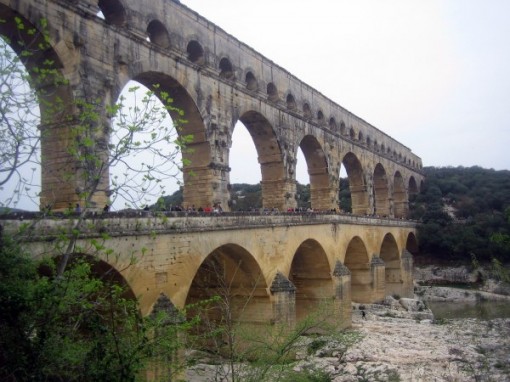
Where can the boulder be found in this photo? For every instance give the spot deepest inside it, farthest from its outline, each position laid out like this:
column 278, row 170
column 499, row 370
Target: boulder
column 412, row 305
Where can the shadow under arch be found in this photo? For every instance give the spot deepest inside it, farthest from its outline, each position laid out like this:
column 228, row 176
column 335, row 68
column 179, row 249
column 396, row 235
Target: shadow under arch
column 310, row 273
column 318, row 170
column 381, row 192
column 413, row 187
column 400, row 201
column 358, row 263
column 101, row 270
column 412, row 244
column 196, row 157
column 389, row 253
column 270, row 158
column 230, row 283
column 357, row 185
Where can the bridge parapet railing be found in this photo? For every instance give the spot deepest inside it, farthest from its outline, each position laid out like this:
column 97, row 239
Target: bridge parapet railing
column 140, row 222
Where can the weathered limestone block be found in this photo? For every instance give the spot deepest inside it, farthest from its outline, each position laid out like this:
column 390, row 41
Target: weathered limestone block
column 407, row 274
column 377, row 270
column 342, row 283
column 284, row 300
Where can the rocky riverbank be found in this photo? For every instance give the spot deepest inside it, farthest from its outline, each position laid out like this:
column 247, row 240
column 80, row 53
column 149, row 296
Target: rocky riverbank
column 482, row 279
column 400, row 341
column 403, row 349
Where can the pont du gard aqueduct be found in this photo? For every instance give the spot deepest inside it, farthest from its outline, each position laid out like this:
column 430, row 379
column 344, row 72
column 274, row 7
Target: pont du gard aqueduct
column 283, row 262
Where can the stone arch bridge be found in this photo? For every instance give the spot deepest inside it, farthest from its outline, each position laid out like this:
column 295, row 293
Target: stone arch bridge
column 277, row 266
column 216, row 80
column 286, row 261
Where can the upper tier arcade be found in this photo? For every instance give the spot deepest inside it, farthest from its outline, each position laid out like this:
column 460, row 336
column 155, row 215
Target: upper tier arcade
column 216, row 80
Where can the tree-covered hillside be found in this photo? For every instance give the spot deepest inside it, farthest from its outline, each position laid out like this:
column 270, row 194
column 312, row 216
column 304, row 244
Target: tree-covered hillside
column 465, row 212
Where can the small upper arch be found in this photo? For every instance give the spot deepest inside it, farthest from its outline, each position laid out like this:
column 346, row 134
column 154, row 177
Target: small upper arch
column 158, row 34
column 272, row 92
column 320, row 117
column 352, row 133
column 291, row 102
column 307, row 110
column 251, row 81
column 342, row 127
column 226, row 69
column 195, row 52
column 113, row 11
column 332, row 124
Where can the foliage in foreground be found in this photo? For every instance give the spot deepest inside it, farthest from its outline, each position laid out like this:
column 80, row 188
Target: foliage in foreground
column 74, row 327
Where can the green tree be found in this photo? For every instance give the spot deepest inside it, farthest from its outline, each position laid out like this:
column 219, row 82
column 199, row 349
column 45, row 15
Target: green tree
column 462, row 211
column 79, row 326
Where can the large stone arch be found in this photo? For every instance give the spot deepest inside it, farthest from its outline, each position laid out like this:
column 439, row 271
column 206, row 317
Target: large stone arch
column 231, row 274
column 413, row 187
column 310, row 273
column 412, row 244
column 381, row 192
column 270, row 158
column 103, row 270
column 357, row 185
column 318, row 169
column 358, row 262
column 35, row 45
column 196, row 157
column 389, row 253
column 400, row 201
column 109, row 273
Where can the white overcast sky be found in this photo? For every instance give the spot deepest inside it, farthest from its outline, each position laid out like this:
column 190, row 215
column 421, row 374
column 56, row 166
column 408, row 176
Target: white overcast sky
column 433, row 74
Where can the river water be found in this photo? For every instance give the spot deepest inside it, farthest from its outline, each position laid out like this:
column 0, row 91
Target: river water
column 484, row 310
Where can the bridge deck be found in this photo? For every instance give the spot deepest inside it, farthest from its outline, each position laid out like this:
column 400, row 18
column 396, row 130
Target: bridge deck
column 139, row 222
